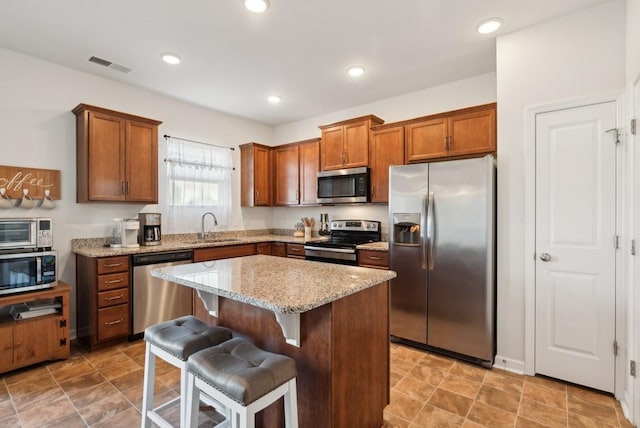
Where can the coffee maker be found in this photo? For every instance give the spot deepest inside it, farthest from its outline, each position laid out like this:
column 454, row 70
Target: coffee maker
column 149, row 233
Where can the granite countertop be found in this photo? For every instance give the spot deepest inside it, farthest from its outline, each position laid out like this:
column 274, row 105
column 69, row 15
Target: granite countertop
column 279, row 284
column 95, row 247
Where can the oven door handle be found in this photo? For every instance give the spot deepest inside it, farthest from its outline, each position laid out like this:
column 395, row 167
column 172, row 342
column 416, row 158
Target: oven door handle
column 333, row 250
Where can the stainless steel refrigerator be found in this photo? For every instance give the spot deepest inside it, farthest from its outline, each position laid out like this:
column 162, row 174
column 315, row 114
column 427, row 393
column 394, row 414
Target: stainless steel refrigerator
column 442, row 246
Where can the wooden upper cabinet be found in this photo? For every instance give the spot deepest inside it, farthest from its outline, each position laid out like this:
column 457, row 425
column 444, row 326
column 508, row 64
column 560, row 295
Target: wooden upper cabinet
column 458, row 133
column 116, row 156
column 346, row 144
column 296, row 167
column 255, row 175
column 385, row 149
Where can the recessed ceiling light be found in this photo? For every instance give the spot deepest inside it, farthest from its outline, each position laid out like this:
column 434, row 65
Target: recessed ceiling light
column 170, row 58
column 257, row 6
column 355, row 71
column 274, row 99
column 489, row 25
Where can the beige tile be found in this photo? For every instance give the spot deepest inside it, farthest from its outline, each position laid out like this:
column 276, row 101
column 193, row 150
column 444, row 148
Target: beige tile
column 460, row 385
column 4, row 392
column 73, row 359
column 504, row 381
column 437, row 362
column 526, row 423
column 471, row 372
column 172, row 379
column 134, row 349
column 393, row 421
column 545, row 415
column 121, row 368
column 497, row 398
column 6, row 409
column 394, row 378
column 547, row 396
column 427, row 374
column 129, row 380
column 401, row 367
column 485, row 414
column 45, row 412
column 40, row 389
column 470, row 424
column 115, row 359
column 127, row 418
column 403, row 406
column 79, row 383
column 77, row 369
column 597, row 412
column 161, row 394
column 579, row 421
column 595, row 397
column 414, row 388
column 25, row 374
column 10, row 422
column 73, row 420
column 91, row 396
column 106, row 407
column 105, row 355
column 408, row 354
column 622, row 420
column 546, row 383
column 450, row 402
column 431, row 416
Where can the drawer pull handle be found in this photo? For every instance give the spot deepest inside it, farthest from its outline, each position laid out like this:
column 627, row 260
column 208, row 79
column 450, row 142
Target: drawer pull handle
column 111, row 265
column 114, row 322
column 113, row 281
column 120, row 296
column 375, row 258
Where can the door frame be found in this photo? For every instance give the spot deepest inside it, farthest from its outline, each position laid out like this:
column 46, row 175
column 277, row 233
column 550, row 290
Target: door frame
column 530, row 222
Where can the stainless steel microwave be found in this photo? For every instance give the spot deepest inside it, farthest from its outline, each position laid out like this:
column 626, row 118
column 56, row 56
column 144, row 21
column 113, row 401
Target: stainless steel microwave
column 343, row 186
column 26, row 233
column 28, row 271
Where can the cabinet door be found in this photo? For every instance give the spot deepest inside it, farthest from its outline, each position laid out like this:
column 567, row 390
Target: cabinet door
column 331, row 148
column 472, row 133
column 279, row 249
column 35, row 339
column 309, row 167
column 285, row 161
column 356, row 145
column 106, row 157
column 264, row 248
column 387, row 148
column 141, row 162
column 262, row 176
column 6, row 347
column 426, row 140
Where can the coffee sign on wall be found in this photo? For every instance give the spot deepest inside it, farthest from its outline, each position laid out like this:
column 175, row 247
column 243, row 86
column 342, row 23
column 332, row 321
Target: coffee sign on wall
column 15, row 179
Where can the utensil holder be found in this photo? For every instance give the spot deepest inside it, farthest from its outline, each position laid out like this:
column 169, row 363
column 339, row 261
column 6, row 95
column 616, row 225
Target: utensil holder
column 307, row 233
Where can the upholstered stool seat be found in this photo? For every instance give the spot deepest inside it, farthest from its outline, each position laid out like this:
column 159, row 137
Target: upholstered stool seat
column 174, row 341
column 244, row 379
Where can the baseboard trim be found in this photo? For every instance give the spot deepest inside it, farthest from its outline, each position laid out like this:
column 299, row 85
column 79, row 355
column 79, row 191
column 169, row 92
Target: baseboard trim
column 508, row 364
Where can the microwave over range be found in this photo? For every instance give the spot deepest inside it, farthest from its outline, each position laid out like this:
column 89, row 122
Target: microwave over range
column 343, row 186
column 26, row 259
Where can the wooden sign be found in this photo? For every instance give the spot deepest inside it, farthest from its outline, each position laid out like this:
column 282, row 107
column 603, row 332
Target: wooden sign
column 14, row 179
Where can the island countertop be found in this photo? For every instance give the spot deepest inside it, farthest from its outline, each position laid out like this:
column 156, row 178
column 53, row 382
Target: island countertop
column 281, row 285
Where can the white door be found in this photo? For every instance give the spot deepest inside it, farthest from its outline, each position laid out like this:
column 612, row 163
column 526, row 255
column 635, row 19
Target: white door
column 575, row 251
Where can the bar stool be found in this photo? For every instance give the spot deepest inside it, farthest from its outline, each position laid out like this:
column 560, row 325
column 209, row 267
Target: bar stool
column 174, row 341
column 244, row 379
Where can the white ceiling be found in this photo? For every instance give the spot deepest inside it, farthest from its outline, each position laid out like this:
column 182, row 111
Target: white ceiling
column 299, row 49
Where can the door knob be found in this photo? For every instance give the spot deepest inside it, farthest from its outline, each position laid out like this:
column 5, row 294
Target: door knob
column 545, row 257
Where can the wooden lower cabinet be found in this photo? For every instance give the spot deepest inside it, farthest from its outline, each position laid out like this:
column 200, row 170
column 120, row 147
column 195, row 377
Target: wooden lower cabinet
column 279, row 249
column 103, row 292
column 373, row 259
column 264, row 248
column 30, row 341
column 295, row 251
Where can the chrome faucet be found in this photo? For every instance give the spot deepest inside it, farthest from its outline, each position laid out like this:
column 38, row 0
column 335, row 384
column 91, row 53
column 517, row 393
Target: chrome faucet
column 215, row 223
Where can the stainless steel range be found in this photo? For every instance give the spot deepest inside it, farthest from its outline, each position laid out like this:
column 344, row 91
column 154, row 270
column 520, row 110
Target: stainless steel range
column 340, row 246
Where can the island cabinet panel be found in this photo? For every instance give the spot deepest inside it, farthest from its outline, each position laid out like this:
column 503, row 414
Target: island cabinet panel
column 33, row 340
column 116, row 155
column 386, row 149
column 342, row 362
column 346, row 144
column 255, row 175
column 455, row 134
column 102, row 295
column 224, row 252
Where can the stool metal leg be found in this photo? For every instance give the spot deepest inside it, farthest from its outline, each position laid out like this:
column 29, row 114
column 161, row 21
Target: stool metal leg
column 291, row 405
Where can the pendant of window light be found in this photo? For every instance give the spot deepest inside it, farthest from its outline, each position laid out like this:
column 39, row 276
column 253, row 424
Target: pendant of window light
column 256, row 6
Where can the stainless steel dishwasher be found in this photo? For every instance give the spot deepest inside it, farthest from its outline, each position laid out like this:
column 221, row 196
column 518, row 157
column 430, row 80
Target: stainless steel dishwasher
column 156, row 300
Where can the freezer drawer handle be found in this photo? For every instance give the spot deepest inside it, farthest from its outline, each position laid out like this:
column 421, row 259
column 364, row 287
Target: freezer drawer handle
column 114, row 322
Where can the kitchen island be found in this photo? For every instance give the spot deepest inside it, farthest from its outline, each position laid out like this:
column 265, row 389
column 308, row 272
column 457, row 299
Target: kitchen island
column 332, row 319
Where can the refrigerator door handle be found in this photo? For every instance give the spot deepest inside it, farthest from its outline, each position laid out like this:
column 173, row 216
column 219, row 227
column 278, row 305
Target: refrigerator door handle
column 430, row 232
column 423, row 228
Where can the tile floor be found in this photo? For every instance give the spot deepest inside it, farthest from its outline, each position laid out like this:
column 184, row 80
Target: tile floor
column 104, row 389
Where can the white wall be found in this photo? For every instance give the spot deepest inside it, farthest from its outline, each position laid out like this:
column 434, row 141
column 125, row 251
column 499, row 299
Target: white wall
column 571, row 57
column 451, row 96
column 38, row 130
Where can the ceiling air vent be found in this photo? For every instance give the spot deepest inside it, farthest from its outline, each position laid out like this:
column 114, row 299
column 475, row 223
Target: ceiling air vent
column 109, row 64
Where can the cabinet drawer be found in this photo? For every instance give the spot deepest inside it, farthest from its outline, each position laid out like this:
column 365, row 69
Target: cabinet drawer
column 224, row 252
column 373, row 258
column 113, row 281
column 113, row 297
column 113, row 264
column 295, row 250
column 113, row 322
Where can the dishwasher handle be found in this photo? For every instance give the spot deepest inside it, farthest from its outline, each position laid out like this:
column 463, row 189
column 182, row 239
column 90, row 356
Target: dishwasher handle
column 166, row 257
